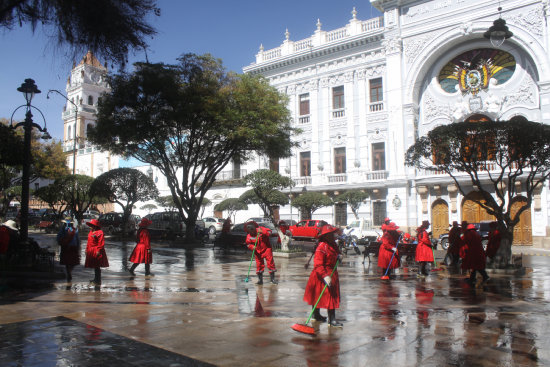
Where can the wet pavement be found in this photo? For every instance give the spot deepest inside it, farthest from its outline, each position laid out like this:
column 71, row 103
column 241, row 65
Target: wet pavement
column 198, row 310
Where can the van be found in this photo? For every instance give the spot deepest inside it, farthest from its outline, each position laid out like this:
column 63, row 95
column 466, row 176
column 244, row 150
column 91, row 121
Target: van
column 166, row 224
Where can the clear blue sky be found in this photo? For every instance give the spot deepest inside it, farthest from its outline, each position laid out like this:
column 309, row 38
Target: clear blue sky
column 229, row 30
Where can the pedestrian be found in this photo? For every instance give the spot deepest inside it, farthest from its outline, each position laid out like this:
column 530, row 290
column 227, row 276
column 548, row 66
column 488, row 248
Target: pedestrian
column 386, row 222
column 473, row 255
column 258, row 241
column 424, row 254
column 142, row 253
column 324, row 262
column 388, row 248
column 9, row 239
column 96, row 257
column 69, row 241
column 226, row 227
column 494, row 240
column 455, row 243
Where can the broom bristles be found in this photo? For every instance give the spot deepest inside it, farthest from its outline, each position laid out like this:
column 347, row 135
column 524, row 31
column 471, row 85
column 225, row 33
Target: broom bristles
column 384, row 277
column 303, row 329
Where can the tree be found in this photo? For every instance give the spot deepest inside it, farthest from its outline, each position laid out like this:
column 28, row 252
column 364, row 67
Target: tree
column 11, row 159
column 205, row 202
column 48, row 160
column 109, row 28
column 149, row 207
column 125, row 187
column 190, row 120
column 167, row 201
column 354, row 198
column 53, row 195
column 77, row 191
column 309, row 202
column 493, row 158
column 231, row 206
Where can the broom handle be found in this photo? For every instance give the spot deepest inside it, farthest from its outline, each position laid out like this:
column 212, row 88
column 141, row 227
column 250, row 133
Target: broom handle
column 397, row 243
column 252, row 257
column 321, row 295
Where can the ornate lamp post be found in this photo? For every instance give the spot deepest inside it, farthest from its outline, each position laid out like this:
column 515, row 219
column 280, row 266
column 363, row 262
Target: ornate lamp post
column 498, row 32
column 29, row 89
column 75, row 123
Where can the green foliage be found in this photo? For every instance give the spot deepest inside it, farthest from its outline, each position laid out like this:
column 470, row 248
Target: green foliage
column 11, row 161
column 231, row 206
column 166, row 202
column 49, row 161
column 353, row 198
column 265, row 192
column 492, row 157
column 77, row 192
column 108, row 27
column 149, row 207
column 190, row 120
column 309, row 202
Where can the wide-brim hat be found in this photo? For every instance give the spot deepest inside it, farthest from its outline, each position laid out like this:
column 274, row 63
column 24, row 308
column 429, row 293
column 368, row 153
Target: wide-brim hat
column 471, row 226
column 387, row 219
column 145, row 222
column 326, row 229
column 425, row 223
column 10, row 224
column 93, row 223
column 391, row 227
column 250, row 224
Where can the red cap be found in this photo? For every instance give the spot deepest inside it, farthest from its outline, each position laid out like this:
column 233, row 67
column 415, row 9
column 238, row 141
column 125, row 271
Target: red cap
column 471, row 226
column 145, row 222
column 93, row 223
column 326, row 229
column 391, row 227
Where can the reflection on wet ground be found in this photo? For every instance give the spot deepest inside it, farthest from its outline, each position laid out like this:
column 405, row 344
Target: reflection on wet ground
column 198, row 307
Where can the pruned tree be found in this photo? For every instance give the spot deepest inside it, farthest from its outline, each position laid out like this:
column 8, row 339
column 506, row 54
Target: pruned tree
column 205, row 202
column 125, row 187
column 231, row 206
column 53, row 195
column 502, row 160
column 77, row 191
column 308, row 202
column 190, row 120
column 149, row 207
column 167, row 201
column 354, row 198
column 110, row 28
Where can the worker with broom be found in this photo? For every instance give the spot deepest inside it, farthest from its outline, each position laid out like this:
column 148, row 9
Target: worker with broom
column 387, row 261
column 325, row 272
column 473, row 255
column 424, row 254
column 257, row 240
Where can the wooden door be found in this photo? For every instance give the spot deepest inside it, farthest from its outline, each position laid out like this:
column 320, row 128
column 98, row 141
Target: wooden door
column 522, row 230
column 440, row 218
column 472, row 212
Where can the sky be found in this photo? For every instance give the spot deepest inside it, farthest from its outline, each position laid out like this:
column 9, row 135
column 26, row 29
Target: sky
column 230, row 30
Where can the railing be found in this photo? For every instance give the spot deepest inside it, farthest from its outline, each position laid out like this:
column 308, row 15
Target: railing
column 376, row 175
column 302, row 45
column 340, row 177
column 303, row 119
column 336, row 35
column 306, row 180
column 372, row 24
column 272, row 54
column 376, row 107
column 338, row 113
column 230, row 175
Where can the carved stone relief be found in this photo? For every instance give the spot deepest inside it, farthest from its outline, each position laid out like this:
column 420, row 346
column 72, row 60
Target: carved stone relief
column 393, row 45
column 337, row 138
column 412, row 48
column 531, row 21
column 525, row 94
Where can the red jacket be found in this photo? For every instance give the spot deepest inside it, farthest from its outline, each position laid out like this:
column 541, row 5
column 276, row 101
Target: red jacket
column 424, row 247
column 474, row 256
column 263, row 240
column 494, row 243
column 324, row 261
column 142, row 252
column 385, row 252
column 95, row 250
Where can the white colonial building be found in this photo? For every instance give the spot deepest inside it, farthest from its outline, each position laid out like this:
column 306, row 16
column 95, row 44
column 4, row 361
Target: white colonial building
column 363, row 92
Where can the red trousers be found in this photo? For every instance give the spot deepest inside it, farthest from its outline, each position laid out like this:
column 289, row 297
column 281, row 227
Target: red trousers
column 266, row 254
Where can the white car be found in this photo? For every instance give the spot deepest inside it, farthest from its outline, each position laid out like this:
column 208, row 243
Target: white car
column 213, row 224
column 362, row 228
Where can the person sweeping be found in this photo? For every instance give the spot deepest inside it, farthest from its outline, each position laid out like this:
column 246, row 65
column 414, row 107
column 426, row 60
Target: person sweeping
column 262, row 250
column 387, row 261
column 142, row 253
column 473, row 255
column 96, row 257
column 325, row 272
column 424, row 254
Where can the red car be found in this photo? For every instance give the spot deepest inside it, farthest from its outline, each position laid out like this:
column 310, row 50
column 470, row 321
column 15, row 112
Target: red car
column 307, row 228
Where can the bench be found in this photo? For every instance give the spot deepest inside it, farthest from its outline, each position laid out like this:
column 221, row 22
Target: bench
column 403, row 249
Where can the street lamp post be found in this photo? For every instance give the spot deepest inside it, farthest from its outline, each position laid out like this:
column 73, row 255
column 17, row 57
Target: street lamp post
column 29, row 89
column 75, row 123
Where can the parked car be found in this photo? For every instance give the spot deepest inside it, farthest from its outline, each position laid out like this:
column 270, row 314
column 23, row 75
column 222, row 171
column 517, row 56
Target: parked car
column 213, row 224
column 309, row 228
column 166, row 224
column 289, row 222
column 258, row 219
column 362, row 229
column 49, row 222
column 237, row 235
column 111, row 223
column 482, row 229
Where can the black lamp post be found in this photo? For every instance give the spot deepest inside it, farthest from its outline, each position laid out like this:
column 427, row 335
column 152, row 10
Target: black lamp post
column 75, row 123
column 498, row 32
column 29, row 89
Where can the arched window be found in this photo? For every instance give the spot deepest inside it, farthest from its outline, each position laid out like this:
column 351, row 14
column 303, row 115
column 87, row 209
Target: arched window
column 90, row 100
column 482, row 144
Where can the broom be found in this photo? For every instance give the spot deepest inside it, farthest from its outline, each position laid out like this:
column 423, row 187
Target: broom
column 386, row 276
column 252, row 257
column 303, row 328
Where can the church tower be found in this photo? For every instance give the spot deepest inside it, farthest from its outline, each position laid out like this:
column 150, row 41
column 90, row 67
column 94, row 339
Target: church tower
column 84, row 86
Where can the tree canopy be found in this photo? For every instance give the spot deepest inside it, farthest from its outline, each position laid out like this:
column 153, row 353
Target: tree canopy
column 190, row 120
column 109, row 28
column 354, row 198
column 77, row 191
column 125, row 187
column 501, row 160
column 231, row 206
column 309, row 202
